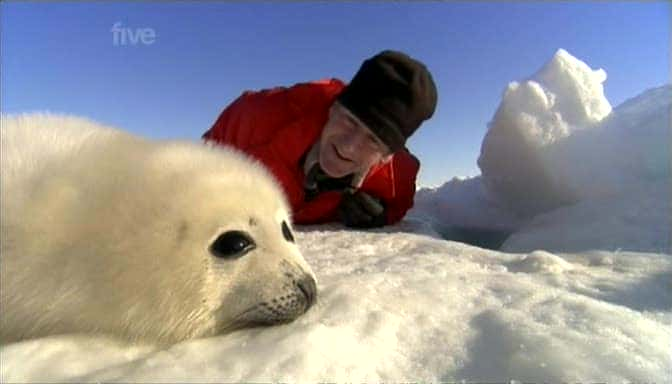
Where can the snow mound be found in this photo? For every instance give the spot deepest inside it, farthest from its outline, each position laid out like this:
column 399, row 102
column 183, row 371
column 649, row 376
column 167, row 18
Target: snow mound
column 620, row 171
column 574, row 90
column 628, row 150
column 563, row 97
column 463, row 202
column 396, row 306
column 540, row 261
column 562, row 171
column 634, row 222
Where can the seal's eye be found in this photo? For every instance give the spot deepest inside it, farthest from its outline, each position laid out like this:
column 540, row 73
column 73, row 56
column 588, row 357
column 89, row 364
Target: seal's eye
column 232, row 245
column 287, row 233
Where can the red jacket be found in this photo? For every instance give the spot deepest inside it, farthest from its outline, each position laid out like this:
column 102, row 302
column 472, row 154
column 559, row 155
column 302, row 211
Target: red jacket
column 278, row 126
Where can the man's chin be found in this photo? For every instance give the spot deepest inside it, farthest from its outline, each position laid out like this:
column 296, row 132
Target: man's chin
column 333, row 171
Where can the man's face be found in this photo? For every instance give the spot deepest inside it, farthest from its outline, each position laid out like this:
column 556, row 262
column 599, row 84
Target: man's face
column 347, row 145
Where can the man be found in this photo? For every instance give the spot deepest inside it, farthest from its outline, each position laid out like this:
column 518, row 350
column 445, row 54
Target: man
column 338, row 150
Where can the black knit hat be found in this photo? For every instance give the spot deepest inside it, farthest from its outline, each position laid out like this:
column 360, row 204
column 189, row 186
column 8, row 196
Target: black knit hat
column 392, row 94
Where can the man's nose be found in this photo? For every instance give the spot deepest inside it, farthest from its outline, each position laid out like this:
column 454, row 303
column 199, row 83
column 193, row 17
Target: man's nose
column 352, row 143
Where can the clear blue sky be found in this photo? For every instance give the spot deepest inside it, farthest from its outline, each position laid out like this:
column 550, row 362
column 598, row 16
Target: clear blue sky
column 61, row 57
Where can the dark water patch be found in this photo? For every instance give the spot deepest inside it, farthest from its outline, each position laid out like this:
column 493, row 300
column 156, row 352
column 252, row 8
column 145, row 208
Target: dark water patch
column 484, row 238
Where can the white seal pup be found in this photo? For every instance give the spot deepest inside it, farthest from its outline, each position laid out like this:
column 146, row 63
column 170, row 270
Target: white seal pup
column 105, row 232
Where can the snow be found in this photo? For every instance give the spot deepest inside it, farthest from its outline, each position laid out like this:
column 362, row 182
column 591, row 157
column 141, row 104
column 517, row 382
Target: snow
column 562, row 171
column 464, row 210
column 463, row 202
column 401, row 304
column 627, row 150
column 637, row 221
column 583, row 192
column 565, row 96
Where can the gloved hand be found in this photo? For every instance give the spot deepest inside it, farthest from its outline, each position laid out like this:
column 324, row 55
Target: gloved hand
column 361, row 210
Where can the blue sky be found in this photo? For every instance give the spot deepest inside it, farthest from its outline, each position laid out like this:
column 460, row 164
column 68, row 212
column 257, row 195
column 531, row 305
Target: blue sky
column 61, row 57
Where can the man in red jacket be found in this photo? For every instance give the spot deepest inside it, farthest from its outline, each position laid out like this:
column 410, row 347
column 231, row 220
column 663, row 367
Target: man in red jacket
column 338, row 150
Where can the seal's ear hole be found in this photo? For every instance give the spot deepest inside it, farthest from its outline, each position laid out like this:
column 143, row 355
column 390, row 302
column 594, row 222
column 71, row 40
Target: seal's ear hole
column 287, row 233
column 232, row 245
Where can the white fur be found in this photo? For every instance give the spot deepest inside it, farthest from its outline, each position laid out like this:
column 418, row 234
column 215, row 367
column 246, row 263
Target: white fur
column 106, row 232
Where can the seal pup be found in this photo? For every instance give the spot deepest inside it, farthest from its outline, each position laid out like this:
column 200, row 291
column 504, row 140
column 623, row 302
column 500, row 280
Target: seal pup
column 106, row 232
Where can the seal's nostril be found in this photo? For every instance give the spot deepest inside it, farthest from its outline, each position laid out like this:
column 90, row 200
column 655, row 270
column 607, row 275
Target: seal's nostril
column 309, row 289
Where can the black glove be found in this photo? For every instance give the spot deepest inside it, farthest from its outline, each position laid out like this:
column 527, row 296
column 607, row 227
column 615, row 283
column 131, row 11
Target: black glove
column 361, row 210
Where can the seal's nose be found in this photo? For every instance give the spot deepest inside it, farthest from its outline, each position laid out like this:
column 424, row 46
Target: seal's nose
column 309, row 288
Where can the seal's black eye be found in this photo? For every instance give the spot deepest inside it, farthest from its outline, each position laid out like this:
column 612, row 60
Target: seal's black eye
column 287, row 233
column 232, row 245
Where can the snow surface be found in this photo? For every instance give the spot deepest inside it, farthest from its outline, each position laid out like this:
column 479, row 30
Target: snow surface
column 400, row 304
column 584, row 193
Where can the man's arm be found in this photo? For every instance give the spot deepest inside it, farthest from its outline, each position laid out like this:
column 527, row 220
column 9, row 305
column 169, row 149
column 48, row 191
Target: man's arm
column 405, row 169
column 252, row 119
column 275, row 126
column 370, row 207
column 256, row 123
